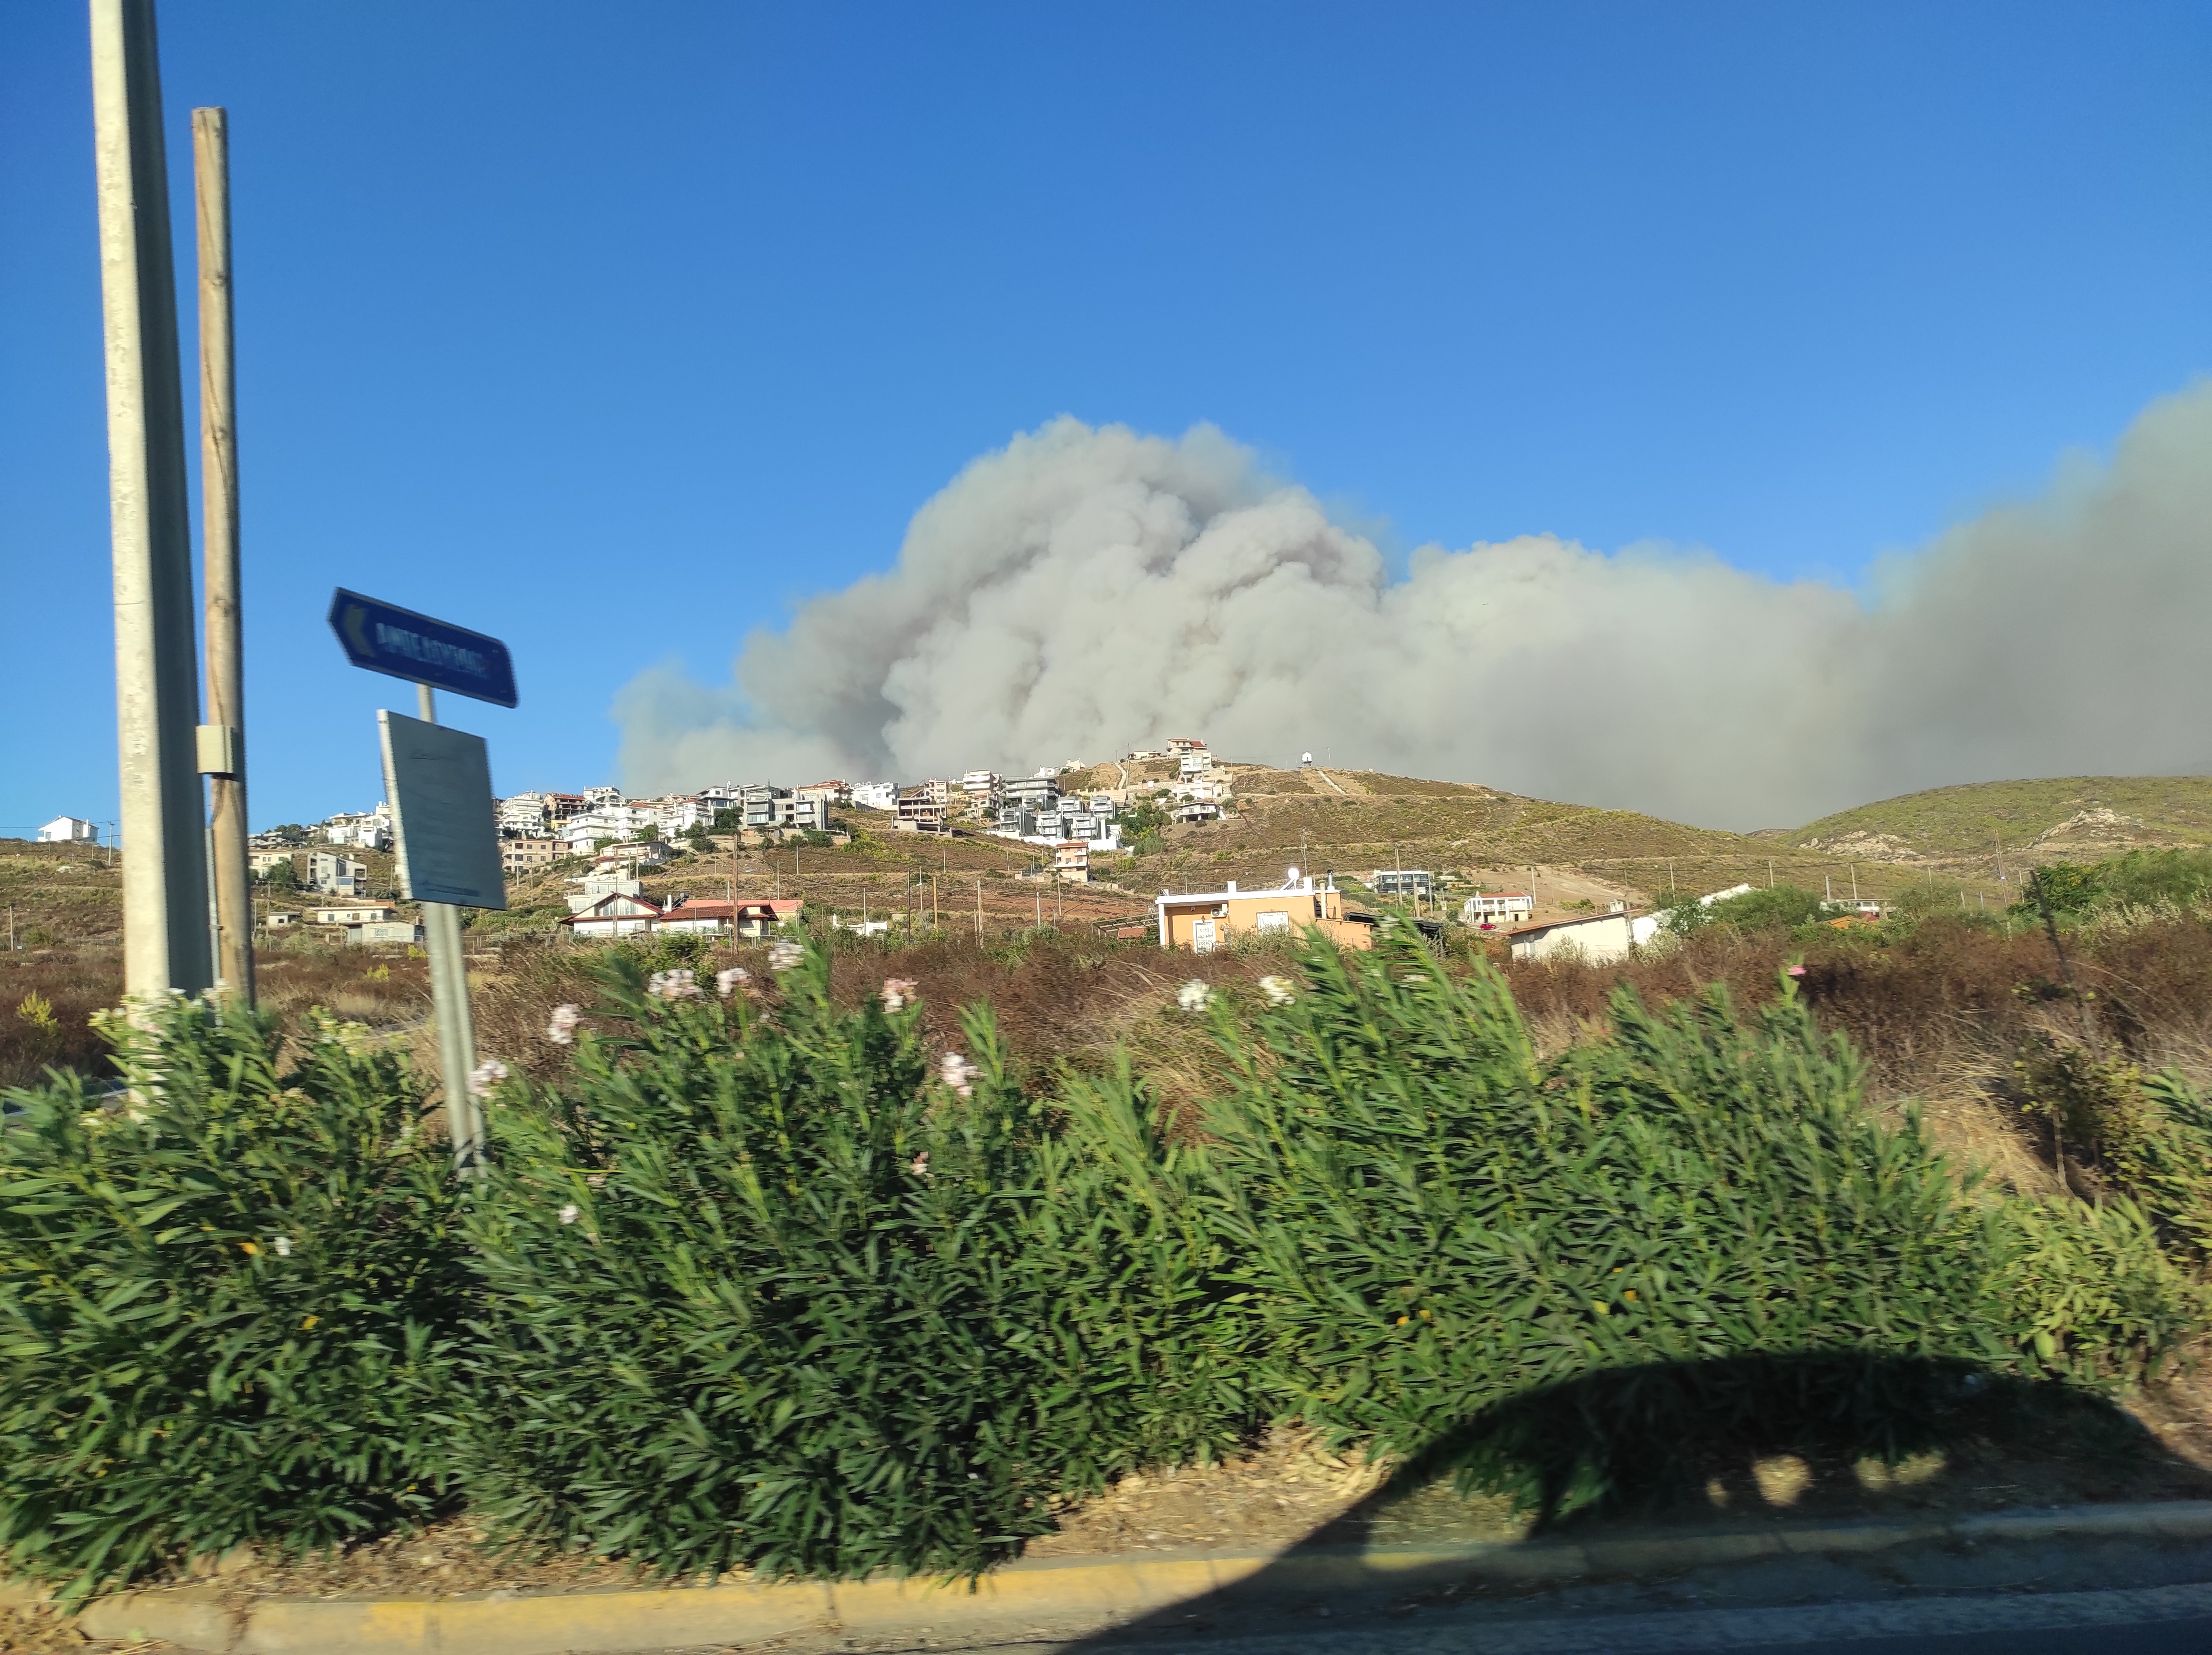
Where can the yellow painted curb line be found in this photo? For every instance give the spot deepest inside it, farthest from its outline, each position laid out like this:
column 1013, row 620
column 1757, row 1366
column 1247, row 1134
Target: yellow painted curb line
column 1089, row 1591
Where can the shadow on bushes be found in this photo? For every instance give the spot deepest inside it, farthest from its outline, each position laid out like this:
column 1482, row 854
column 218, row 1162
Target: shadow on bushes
column 1661, row 1440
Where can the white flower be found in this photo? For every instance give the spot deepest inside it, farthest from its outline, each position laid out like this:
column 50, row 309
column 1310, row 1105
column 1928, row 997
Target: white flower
column 570, row 1213
column 596, row 1180
column 727, row 983
column 562, row 1030
column 1194, row 995
column 679, row 983
column 898, row 991
column 283, row 1245
column 920, row 1168
column 1278, row 991
column 783, row 954
column 485, row 1075
column 959, row 1073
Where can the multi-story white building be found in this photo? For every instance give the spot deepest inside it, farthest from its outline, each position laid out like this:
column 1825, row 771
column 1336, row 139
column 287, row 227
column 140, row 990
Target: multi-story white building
column 1498, row 908
column 596, row 797
column 680, row 813
column 616, row 821
column 981, row 783
column 1195, row 761
column 526, row 812
column 876, row 795
column 827, row 792
column 370, row 830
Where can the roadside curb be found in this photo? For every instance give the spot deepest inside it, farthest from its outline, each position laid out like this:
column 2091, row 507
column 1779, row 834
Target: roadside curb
column 1089, row 1591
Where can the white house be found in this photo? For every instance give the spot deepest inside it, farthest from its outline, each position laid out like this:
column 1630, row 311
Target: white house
column 1497, row 908
column 369, row 829
column 876, row 795
column 1596, row 939
column 68, row 830
column 616, row 821
column 364, row 913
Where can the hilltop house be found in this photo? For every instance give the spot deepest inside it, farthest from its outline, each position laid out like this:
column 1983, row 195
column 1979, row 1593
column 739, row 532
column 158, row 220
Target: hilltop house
column 68, row 830
column 1203, row 921
column 529, row 854
column 1402, row 882
column 337, row 875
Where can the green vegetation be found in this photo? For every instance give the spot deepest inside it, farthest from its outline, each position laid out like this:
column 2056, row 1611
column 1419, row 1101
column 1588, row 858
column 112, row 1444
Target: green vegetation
column 2147, row 878
column 226, row 1299
column 1770, row 908
column 759, row 1277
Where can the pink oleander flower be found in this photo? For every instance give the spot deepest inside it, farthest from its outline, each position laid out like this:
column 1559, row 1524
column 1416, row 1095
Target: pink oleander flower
column 957, row 1072
column 729, row 981
column 561, row 1029
column 485, row 1075
column 919, row 1165
column 783, row 954
column 898, row 991
column 679, row 983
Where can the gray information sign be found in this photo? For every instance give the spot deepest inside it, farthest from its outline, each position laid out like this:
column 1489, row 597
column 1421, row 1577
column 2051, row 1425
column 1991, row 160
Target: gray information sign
column 439, row 781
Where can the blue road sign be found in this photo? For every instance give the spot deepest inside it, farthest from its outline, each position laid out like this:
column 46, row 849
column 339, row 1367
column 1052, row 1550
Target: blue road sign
column 383, row 638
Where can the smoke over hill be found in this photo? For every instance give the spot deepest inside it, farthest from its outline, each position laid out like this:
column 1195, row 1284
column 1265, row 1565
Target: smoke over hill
column 1081, row 591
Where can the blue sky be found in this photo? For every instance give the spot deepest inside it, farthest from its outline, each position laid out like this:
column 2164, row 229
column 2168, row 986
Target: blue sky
column 617, row 331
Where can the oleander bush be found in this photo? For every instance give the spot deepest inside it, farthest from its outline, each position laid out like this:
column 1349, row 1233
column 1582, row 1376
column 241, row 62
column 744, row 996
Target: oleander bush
column 227, row 1299
column 760, row 1277
column 1432, row 1223
column 767, row 1287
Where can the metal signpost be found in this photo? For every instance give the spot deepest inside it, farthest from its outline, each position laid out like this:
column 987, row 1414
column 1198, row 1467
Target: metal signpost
column 439, row 782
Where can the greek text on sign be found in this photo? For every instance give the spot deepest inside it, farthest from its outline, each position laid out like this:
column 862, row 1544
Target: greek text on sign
column 385, row 638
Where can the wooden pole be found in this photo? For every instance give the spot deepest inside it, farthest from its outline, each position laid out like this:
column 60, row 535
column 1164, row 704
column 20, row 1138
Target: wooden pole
column 226, row 656
column 165, row 892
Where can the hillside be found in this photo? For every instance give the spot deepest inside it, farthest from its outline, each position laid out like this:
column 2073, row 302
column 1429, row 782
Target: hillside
column 2081, row 817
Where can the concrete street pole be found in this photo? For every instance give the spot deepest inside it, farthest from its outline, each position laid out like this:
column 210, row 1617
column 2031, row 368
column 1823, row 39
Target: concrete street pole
column 165, row 897
column 449, row 1001
column 223, row 749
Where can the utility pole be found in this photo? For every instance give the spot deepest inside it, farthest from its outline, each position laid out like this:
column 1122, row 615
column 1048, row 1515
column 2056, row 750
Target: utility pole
column 165, row 896
column 979, row 908
column 225, row 764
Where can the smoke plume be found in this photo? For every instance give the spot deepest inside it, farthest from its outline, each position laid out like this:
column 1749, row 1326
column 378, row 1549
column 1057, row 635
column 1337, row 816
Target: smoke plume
column 1081, row 592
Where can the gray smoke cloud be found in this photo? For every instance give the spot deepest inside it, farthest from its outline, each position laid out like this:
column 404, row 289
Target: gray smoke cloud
column 1083, row 591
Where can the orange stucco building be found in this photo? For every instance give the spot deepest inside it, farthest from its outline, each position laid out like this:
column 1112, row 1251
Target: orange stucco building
column 1203, row 921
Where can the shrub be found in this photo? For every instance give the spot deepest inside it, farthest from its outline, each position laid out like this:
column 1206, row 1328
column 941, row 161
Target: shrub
column 767, row 1287
column 1432, row 1224
column 222, row 1306
column 1776, row 907
column 2150, row 878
